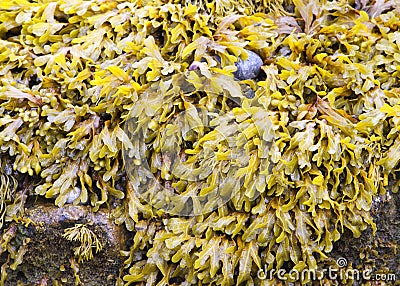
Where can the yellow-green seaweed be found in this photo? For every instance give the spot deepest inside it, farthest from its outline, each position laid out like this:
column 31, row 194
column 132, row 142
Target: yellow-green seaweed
column 73, row 71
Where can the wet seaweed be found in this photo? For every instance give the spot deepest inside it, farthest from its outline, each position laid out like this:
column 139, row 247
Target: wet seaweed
column 73, row 73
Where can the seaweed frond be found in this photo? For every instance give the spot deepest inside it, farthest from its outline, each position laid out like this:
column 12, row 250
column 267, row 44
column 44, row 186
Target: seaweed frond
column 8, row 187
column 88, row 241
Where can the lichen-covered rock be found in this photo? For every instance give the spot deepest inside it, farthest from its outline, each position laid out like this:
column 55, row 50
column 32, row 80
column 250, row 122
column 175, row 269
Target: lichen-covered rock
column 249, row 68
column 50, row 257
column 379, row 253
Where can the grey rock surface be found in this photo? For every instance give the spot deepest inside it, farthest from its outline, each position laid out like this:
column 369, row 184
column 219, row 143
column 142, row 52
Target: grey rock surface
column 377, row 253
column 50, row 257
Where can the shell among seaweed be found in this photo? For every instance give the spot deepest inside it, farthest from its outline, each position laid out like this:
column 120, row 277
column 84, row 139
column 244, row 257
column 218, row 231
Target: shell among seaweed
column 248, row 68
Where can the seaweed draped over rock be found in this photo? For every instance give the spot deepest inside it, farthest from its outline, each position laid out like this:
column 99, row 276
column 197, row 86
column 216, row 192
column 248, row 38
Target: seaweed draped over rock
column 72, row 73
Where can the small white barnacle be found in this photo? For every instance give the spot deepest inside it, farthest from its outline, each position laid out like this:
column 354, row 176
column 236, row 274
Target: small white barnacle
column 73, row 195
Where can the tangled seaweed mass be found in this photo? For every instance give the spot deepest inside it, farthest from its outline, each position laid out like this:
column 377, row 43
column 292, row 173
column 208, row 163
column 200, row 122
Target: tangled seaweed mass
column 306, row 144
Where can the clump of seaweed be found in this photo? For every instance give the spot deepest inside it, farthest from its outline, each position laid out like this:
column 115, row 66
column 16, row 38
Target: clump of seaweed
column 8, row 187
column 88, row 241
column 74, row 72
column 14, row 246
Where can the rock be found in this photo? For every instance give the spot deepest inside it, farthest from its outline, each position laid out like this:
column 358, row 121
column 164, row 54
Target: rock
column 246, row 69
column 249, row 68
column 377, row 253
column 247, row 91
column 50, row 257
